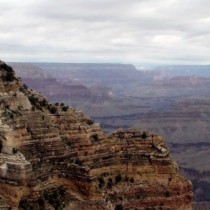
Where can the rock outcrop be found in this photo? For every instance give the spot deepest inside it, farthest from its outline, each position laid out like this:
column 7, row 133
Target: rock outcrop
column 185, row 126
column 55, row 157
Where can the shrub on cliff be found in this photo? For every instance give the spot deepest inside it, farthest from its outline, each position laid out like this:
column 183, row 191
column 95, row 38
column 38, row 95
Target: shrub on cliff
column 101, row 182
column 9, row 72
column 89, row 122
column 65, row 108
column 40, row 201
column 132, row 179
column 32, row 99
column 1, row 145
column 79, row 162
column 9, row 76
column 25, row 204
column 144, row 135
column 25, row 86
column 118, row 178
column 43, row 103
column 94, row 137
column 6, row 67
column 57, row 198
column 14, row 150
column 119, row 207
column 53, row 109
column 168, row 194
column 109, row 184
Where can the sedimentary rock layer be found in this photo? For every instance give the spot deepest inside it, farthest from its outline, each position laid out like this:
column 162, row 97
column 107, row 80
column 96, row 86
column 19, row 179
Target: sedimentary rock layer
column 55, row 157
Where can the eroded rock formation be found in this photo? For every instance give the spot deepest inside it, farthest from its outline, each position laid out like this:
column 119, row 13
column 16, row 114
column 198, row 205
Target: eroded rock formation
column 55, row 157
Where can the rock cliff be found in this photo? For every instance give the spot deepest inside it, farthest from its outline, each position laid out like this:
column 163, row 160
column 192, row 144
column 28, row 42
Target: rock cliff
column 55, row 157
column 185, row 126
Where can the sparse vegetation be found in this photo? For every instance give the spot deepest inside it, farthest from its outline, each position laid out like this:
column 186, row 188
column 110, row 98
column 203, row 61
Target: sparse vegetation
column 6, row 67
column 25, row 86
column 144, row 135
column 40, row 201
column 9, row 76
column 56, row 198
column 14, row 150
column 33, row 100
column 79, row 162
column 132, row 179
column 118, row 178
column 9, row 72
column 138, row 196
column 167, row 194
column 101, row 182
column 119, row 207
column 25, row 204
column 1, row 145
column 94, row 137
column 126, row 178
column 89, row 122
column 68, row 143
column 65, row 108
column 43, row 103
column 109, row 183
column 52, row 109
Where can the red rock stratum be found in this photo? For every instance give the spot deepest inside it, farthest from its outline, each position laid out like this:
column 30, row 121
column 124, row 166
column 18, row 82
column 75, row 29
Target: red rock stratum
column 55, row 157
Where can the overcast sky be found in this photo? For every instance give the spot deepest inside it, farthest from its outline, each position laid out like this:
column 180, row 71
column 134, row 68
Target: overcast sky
column 117, row 31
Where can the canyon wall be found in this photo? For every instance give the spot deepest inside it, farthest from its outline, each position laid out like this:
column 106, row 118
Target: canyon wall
column 55, row 157
column 185, row 126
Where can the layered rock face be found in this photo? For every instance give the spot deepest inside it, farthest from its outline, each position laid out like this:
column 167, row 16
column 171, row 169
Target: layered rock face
column 187, row 121
column 186, row 128
column 55, row 157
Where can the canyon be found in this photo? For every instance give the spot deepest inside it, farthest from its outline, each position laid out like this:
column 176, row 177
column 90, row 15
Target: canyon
column 120, row 97
column 56, row 157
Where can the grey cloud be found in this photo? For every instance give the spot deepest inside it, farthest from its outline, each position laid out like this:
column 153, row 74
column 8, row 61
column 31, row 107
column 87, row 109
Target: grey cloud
column 130, row 31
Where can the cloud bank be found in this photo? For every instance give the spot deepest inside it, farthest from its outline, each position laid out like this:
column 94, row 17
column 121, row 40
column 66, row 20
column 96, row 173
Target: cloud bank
column 119, row 31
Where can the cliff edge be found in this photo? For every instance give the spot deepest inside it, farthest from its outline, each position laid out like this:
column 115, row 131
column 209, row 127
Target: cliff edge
column 55, row 157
